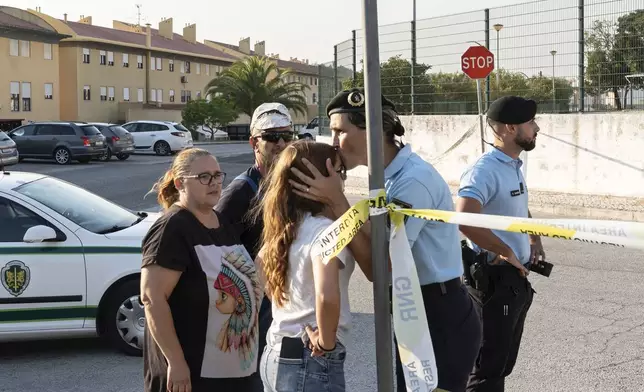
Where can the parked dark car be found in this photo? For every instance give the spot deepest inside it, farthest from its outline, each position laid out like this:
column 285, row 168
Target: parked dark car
column 120, row 142
column 8, row 151
column 63, row 141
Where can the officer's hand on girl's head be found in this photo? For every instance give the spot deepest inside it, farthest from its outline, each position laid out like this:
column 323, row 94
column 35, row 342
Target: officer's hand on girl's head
column 325, row 189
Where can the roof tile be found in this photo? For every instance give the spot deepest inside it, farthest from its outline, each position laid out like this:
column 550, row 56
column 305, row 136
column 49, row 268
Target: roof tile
column 176, row 44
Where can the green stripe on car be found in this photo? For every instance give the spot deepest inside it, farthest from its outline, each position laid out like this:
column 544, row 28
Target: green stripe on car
column 47, row 314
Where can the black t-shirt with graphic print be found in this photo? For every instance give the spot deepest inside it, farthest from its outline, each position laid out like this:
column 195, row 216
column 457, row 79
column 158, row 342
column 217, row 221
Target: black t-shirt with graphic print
column 214, row 304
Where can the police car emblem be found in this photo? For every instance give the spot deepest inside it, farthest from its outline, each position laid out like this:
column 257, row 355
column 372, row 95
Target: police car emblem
column 15, row 277
column 355, row 99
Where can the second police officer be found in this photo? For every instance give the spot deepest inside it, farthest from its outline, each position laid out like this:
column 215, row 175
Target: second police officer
column 494, row 185
column 410, row 182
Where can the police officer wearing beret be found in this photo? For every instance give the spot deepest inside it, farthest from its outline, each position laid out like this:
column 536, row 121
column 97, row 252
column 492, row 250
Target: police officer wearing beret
column 410, row 182
column 494, row 185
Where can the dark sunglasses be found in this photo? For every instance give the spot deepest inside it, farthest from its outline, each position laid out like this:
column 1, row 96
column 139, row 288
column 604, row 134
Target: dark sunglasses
column 274, row 137
column 207, row 178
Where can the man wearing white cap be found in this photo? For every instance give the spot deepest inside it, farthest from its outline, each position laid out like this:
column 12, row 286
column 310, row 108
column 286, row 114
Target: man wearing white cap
column 271, row 130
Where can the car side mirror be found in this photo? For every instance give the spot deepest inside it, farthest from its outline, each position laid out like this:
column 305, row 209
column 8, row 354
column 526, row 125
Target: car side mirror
column 39, row 233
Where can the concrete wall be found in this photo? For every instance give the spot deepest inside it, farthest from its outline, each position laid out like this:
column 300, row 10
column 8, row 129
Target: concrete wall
column 581, row 162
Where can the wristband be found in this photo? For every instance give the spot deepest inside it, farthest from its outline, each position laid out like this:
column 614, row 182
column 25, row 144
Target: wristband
column 324, row 349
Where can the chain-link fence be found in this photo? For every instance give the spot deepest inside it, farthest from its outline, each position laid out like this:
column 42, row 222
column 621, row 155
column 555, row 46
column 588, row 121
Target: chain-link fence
column 568, row 55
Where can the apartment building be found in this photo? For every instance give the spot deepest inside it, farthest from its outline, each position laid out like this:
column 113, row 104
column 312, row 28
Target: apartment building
column 131, row 72
column 121, row 73
column 302, row 71
column 29, row 70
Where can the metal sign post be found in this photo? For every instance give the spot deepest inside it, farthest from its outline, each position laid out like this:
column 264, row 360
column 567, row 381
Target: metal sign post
column 379, row 240
column 478, row 62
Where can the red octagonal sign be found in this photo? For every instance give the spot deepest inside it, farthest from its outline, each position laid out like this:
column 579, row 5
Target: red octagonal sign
column 477, row 62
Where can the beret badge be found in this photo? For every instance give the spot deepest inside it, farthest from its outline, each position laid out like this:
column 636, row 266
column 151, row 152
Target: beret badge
column 355, row 99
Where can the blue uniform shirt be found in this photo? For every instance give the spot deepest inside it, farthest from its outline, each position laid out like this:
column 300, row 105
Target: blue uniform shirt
column 496, row 181
column 435, row 246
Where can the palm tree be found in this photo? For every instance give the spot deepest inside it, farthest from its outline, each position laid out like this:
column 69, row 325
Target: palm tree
column 255, row 80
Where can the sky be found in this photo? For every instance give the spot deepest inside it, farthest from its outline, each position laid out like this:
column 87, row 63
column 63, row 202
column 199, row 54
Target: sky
column 309, row 30
column 292, row 28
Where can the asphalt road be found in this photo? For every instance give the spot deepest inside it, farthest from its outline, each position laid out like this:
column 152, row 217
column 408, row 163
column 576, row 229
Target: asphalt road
column 585, row 331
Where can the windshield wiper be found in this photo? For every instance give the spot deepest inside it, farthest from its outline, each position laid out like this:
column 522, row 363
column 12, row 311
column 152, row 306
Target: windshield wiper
column 113, row 229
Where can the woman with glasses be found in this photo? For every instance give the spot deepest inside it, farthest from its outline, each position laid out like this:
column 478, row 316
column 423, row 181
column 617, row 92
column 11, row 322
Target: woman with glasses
column 199, row 287
column 310, row 301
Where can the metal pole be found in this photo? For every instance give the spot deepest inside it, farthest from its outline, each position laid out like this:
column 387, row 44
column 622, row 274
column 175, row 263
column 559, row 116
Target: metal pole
column 375, row 156
column 554, row 96
column 479, row 98
column 582, row 58
column 498, row 68
column 413, row 54
column 487, row 45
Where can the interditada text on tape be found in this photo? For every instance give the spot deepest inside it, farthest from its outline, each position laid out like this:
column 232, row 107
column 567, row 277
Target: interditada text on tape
column 410, row 321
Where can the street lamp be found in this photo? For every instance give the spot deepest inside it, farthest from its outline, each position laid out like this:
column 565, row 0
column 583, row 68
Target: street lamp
column 554, row 96
column 498, row 28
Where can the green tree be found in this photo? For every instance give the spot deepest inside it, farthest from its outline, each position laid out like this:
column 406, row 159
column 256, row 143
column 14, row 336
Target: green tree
column 255, row 80
column 454, row 93
column 212, row 114
column 395, row 79
column 614, row 51
column 540, row 89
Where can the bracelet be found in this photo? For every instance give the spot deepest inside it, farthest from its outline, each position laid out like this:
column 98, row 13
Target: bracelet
column 324, row 349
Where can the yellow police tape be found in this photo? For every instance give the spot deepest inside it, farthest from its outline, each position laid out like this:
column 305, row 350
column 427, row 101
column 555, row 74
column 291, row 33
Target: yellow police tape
column 613, row 233
column 410, row 321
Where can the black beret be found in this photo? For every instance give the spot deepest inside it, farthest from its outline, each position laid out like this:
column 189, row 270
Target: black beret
column 512, row 110
column 352, row 101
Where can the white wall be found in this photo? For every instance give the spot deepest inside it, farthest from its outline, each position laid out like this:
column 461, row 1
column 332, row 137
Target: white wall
column 588, row 154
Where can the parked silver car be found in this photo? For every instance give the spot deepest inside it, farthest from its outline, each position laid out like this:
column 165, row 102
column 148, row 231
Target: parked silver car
column 8, row 151
column 119, row 141
column 63, row 141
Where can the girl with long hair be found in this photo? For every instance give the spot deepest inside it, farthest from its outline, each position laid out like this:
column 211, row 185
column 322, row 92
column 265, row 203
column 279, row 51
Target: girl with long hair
column 310, row 300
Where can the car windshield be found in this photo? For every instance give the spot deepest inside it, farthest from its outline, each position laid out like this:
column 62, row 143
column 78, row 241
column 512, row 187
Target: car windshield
column 119, row 130
column 90, row 130
column 86, row 209
column 181, row 127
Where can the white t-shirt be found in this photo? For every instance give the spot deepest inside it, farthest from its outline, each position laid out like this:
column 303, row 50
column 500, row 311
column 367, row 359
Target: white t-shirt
column 290, row 319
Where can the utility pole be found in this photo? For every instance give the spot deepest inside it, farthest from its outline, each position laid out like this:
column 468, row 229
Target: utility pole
column 138, row 14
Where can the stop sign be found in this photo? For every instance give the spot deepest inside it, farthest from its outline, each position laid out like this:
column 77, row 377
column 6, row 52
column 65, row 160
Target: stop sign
column 477, row 62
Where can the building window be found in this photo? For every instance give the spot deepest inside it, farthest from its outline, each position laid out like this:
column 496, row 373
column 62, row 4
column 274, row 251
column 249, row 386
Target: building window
column 207, row 70
column 103, row 57
column 315, row 98
column 140, row 95
column 15, row 96
column 86, row 93
column 14, row 47
column 26, row 97
column 198, row 94
column 188, row 97
column 153, row 63
column 85, row 55
column 126, row 60
column 316, row 81
column 187, row 66
column 48, row 52
column 159, row 95
column 159, row 64
column 49, row 90
column 126, row 94
column 139, row 62
column 25, row 48
column 103, row 93
column 110, row 93
column 198, row 69
column 110, row 59
column 153, row 95
column 183, row 96
column 183, row 67
column 171, row 65
column 171, row 95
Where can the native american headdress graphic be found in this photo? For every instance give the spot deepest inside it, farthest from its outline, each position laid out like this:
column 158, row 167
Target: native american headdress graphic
column 240, row 330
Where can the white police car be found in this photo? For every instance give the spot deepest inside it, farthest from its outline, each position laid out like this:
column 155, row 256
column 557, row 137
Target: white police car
column 69, row 263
